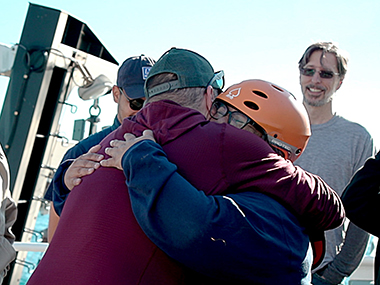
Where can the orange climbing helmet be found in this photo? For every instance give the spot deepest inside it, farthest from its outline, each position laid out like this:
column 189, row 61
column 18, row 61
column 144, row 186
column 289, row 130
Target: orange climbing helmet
column 283, row 118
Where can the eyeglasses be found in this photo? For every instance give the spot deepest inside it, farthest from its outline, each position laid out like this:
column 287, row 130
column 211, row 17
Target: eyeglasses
column 240, row 120
column 235, row 118
column 218, row 78
column 135, row 104
column 322, row 73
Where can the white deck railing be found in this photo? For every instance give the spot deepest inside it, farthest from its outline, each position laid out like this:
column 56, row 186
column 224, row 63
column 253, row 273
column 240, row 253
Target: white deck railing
column 30, row 246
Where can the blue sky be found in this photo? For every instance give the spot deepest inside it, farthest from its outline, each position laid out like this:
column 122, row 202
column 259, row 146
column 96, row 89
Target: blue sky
column 245, row 38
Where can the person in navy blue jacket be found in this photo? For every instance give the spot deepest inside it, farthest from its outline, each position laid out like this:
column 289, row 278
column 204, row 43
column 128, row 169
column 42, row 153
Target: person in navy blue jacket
column 239, row 237
column 129, row 96
column 242, row 236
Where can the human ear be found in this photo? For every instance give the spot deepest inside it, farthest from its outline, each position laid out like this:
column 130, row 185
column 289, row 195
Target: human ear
column 340, row 82
column 116, row 94
column 209, row 97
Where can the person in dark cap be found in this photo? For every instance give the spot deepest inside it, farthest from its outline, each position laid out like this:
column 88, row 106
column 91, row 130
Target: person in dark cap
column 99, row 241
column 128, row 94
column 240, row 236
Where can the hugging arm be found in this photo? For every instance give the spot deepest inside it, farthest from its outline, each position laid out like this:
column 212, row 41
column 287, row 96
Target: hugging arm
column 207, row 233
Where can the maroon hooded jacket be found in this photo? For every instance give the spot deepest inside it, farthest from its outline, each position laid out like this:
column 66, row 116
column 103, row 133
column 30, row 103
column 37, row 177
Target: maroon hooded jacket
column 98, row 240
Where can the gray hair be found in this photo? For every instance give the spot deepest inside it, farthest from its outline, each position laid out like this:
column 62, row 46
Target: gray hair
column 187, row 97
column 341, row 56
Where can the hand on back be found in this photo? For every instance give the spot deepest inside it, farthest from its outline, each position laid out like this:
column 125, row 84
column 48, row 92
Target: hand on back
column 119, row 147
column 84, row 165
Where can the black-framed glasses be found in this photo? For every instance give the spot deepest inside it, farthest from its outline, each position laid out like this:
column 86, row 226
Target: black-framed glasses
column 235, row 118
column 239, row 120
column 135, row 104
column 322, row 73
column 218, row 78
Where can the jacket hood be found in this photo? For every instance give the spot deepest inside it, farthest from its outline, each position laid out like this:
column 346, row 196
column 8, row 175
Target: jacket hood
column 158, row 117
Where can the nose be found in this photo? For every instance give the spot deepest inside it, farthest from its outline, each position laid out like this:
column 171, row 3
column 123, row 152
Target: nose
column 316, row 77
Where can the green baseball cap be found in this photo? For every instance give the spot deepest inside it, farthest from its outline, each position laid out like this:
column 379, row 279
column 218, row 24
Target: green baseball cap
column 192, row 70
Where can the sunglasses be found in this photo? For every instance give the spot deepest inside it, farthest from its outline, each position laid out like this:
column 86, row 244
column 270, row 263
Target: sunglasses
column 135, row 104
column 322, row 73
column 218, row 78
column 235, row 118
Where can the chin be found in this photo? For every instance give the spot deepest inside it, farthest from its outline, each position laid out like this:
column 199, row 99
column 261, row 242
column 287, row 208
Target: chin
column 315, row 103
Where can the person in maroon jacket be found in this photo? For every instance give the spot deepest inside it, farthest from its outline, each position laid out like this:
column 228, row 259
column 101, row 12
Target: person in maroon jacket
column 98, row 239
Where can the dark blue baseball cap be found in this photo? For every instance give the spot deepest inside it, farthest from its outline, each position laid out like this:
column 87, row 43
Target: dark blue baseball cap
column 132, row 74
